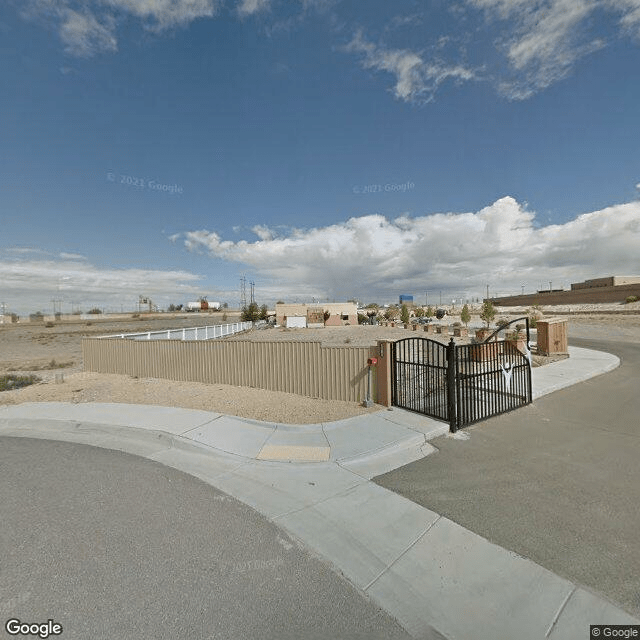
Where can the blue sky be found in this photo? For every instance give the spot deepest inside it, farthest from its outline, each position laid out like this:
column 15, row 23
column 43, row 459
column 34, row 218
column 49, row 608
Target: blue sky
column 326, row 149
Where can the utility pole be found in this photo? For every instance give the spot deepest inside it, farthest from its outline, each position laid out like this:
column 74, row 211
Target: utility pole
column 426, row 299
column 253, row 288
column 487, row 292
column 441, row 298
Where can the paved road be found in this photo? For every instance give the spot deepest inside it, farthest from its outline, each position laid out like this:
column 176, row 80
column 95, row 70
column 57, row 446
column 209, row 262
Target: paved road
column 557, row 482
column 114, row 546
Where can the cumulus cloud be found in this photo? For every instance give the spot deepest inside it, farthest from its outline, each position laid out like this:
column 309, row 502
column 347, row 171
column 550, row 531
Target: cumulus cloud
column 416, row 79
column 457, row 252
column 28, row 284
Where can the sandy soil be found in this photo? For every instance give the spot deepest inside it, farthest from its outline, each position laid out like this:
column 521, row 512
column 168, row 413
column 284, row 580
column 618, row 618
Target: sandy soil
column 55, row 352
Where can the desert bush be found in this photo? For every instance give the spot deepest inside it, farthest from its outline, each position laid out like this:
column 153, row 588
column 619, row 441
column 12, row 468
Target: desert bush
column 10, row 381
column 631, row 299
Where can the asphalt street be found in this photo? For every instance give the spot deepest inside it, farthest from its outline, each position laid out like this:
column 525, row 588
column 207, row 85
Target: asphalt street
column 557, row 482
column 110, row 545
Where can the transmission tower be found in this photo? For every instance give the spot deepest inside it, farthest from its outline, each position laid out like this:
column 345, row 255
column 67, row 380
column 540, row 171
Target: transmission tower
column 253, row 290
column 243, row 292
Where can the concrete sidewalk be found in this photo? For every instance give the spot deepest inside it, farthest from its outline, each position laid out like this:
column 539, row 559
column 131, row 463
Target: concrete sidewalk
column 437, row 578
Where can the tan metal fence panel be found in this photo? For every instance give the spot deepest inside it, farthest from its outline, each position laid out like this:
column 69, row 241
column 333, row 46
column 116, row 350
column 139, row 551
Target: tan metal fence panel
column 304, row 368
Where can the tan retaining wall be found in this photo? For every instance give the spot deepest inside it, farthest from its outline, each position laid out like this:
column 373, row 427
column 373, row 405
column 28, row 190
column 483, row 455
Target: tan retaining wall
column 594, row 295
column 305, row 368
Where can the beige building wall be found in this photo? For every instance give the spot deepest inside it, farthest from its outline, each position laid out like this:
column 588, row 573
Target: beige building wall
column 341, row 312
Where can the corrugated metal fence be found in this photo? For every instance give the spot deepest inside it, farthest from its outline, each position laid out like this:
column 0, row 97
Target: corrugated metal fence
column 305, row 368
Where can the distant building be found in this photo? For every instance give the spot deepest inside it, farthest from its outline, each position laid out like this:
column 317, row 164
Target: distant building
column 408, row 300
column 340, row 313
column 598, row 290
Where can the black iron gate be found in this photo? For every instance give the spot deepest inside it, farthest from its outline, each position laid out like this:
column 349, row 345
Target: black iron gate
column 460, row 384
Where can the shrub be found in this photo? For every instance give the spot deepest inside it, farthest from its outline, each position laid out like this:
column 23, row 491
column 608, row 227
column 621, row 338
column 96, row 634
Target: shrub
column 10, row 381
column 363, row 319
column 502, row 322
column 631, row 299
column 95, row 311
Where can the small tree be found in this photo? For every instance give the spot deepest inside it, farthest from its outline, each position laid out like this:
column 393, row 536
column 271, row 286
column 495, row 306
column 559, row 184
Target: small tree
column 404, row 314
column 419, row 312
column 488, row 312
column 250, row 313
column 264, row 312
column 363, row 319
column 465, row 315
column 95, row 311
column 429, row 312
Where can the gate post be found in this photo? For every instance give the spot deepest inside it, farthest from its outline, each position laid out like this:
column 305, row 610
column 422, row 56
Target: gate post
column 451, row 386
column 383, row 373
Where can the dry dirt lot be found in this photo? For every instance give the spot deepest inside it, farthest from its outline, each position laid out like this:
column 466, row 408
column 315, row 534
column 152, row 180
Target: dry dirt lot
column 47, row 351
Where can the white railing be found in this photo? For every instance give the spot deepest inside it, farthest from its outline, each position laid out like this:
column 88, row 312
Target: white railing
column 190, row 333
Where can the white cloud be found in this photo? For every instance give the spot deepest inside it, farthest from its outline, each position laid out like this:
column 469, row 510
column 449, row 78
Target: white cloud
column 89, row 27
column 249, row 7
column 416, row 80
column 630, row 10
column 457, row 252
column 83, row 34
column 29, row 284
column 164, row 14
column 543, row 40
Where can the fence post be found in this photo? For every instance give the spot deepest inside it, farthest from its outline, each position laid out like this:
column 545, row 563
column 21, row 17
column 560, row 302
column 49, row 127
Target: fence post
column 451, row 386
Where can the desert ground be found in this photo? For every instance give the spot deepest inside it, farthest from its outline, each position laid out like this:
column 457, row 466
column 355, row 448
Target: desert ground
column 54, row 354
